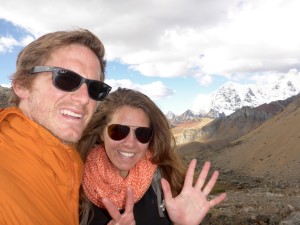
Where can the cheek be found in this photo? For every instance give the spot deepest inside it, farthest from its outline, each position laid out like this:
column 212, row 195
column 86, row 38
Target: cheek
column 110, row 149
column 143, row 149
column 109, row 144
column 93, row 106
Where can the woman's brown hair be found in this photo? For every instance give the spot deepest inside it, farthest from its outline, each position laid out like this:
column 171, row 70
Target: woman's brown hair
column 162, row 144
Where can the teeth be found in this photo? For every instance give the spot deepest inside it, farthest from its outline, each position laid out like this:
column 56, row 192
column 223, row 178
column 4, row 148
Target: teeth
column 127, row 154
column 70, row 113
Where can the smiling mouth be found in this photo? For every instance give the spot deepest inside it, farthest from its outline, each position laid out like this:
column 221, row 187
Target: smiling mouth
column 126, row 154
column 71, row 114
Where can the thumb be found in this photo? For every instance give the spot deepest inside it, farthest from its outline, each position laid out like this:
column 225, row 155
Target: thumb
column 166, row 189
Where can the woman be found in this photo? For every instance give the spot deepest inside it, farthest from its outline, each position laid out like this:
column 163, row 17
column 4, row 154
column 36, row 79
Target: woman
column 129, row 143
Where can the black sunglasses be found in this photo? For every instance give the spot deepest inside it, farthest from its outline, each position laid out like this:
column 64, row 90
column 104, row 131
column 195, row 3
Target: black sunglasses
column 67, row 80
column 118, row 132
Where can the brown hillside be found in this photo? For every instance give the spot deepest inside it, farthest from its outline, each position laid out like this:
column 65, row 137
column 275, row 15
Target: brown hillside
column 220, row 131
column 188, row 150
column 186, row 127
column 271, row 150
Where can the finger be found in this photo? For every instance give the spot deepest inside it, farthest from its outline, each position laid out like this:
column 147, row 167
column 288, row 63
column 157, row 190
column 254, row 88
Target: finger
column 166, row 190
column 112, row 222
column 129, row 201
column 189, row 177
column 217, row 200
column 111, row 208
column 211, row 183
column 202, row 176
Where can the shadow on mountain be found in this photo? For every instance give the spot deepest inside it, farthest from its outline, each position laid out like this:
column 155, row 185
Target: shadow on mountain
column 271, row 151
column 221, row 131
column 259, row 142
column 258, row 160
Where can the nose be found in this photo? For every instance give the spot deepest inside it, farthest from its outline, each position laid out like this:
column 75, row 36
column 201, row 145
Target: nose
column 81, row 94
column 130, row 140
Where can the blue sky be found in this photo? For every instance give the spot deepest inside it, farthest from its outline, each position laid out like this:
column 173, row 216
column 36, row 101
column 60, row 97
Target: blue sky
column 177, row 52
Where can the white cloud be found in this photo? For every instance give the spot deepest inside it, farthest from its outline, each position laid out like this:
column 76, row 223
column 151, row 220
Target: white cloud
column 5, row 85
column 7, row 43
column 201, row 103
column 204, row 79
column 177, row 38
column 155, row 90
column 269, row 78
column 26, row 40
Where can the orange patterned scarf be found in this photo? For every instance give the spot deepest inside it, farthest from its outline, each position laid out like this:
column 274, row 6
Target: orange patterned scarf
column 101, row 179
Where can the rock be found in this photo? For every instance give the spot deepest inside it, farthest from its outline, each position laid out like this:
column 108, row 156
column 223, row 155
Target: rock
column 292, row 219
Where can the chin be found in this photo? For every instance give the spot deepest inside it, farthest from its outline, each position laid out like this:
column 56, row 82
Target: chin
column 69, row 138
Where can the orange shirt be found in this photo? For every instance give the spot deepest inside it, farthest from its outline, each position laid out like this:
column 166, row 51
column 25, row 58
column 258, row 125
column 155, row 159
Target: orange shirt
column 39, row 175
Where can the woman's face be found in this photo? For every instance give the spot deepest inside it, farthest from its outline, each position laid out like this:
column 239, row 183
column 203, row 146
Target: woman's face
column 126, row 153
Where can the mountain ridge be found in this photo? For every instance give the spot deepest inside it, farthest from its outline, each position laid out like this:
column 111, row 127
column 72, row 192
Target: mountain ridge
column 270, row 150
column 228, row 128
column 233, row 96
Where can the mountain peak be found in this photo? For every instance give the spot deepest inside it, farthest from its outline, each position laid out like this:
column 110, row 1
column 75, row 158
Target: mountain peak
column 233, row 96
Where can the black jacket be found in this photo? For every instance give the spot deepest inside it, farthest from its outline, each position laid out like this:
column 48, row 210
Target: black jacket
column 146, row 212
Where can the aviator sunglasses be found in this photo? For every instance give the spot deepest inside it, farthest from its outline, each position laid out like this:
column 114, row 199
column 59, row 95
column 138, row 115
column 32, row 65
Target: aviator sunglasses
column 67, row 80
column 118, row 132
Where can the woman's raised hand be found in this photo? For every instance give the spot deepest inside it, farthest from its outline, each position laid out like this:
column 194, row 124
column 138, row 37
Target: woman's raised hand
column 191, row 205
column 126, row 218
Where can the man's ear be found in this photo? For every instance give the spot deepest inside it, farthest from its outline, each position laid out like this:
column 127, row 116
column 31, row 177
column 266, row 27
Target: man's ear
column 20, row 90
column 102, row 136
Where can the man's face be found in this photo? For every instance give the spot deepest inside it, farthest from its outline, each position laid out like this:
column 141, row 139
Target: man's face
column 64, row 114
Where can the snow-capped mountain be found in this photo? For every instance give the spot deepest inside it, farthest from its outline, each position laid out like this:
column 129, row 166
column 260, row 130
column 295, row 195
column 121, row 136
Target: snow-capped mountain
column 187, row 115
column 170, row 115
column 232, row 96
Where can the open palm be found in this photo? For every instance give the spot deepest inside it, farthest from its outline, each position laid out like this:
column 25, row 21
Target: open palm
column 191, row 205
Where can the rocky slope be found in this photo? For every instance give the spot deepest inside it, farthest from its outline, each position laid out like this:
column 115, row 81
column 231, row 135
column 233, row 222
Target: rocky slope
column 271, row 150
column 259, row 171
column 225, row 129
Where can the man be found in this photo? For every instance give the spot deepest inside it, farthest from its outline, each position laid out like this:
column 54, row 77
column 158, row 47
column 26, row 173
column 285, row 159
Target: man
column 55, row 89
